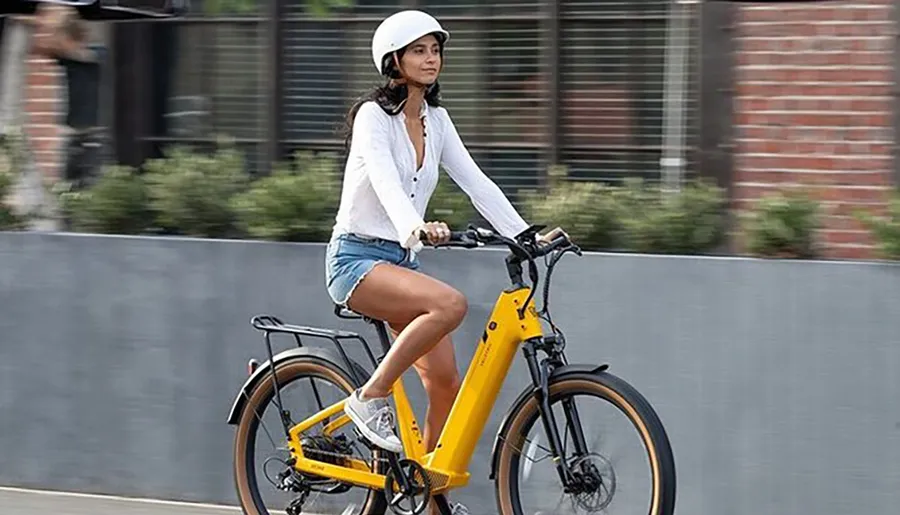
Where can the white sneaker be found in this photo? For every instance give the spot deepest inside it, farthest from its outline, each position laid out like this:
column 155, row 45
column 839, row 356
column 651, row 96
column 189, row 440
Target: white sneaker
column 375, row 420
column 460, row 509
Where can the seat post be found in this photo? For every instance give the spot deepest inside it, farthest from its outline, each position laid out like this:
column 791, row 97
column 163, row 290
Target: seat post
column 381, row 328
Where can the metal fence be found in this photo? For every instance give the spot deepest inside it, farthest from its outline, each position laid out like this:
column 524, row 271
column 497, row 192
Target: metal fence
column 528, row 83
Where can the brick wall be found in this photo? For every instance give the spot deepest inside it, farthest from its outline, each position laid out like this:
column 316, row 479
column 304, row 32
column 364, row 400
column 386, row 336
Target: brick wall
column 44, row 97
column 814, row 107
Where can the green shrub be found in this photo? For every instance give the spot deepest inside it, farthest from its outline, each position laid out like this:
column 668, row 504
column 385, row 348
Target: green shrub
column 587, row 211
column 294, row 203
column 783, row 224
column 117, row 203
column 191, row 192
column 9, row 219
column 10, row 170
column 690, row 221
column 449, row 204
column 635, row 216
column 885, row 230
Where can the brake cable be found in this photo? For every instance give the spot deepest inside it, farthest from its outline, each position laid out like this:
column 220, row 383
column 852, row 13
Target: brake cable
column 553, row 258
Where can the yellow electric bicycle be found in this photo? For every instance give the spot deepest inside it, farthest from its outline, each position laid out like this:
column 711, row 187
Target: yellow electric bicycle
column 319, row 461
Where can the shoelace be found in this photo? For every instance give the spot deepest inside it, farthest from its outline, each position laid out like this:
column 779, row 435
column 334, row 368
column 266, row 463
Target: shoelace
column 385, row 421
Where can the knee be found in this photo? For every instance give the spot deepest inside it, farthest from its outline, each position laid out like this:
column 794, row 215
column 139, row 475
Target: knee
column 453, row 307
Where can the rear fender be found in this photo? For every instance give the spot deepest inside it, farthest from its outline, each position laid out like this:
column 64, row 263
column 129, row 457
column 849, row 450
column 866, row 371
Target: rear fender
column 332, row 358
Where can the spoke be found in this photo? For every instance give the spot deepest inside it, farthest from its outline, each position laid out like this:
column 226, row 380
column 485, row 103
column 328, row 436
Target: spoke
column 562, row 498
column 527, row 440
column 266, row 429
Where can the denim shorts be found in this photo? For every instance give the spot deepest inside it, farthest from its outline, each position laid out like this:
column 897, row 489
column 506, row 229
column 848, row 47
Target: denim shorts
column 349, row 257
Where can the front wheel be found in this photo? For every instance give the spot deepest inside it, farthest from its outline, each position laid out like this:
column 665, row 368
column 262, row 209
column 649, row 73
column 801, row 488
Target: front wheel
column 613, row 442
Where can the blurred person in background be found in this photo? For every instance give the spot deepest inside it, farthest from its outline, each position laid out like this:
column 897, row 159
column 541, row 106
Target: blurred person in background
column 64, row 37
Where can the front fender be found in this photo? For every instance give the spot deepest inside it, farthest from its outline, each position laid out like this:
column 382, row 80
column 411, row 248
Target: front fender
column 331, row 357
column 557, row 374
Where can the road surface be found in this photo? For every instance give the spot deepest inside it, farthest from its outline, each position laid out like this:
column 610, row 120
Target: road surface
column 15, row 501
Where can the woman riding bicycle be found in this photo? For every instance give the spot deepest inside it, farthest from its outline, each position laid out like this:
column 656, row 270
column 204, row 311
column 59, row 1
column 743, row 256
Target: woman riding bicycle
column 399, row 134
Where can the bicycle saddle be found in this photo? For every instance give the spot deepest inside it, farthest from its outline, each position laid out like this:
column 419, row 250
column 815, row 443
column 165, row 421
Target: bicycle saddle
column 342, row 312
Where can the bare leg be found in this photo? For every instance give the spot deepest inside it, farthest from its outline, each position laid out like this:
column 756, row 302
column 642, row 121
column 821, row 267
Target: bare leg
column 426, row 308
column 441, row 380
column 426, row 311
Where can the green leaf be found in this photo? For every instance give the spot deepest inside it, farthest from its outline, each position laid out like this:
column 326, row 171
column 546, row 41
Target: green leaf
column 191, row 192
column 116, row 204
column 885, row 229
column 784, row 224
column 297, row 202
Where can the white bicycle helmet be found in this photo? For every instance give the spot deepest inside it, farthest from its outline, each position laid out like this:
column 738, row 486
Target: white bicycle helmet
column 401, row 29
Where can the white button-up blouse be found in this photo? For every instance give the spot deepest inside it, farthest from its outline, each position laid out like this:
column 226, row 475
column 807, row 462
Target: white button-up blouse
column 385, row 196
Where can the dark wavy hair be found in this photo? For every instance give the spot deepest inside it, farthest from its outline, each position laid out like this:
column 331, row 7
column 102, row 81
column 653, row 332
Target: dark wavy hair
column 391, row 95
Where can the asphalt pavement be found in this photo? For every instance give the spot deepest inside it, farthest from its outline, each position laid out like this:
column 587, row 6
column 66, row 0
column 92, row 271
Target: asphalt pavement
column 15, row 501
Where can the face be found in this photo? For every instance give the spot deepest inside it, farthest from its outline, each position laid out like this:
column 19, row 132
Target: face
column 422, row 60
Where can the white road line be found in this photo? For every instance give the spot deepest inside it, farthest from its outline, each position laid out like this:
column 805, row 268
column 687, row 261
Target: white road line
column 142, row 500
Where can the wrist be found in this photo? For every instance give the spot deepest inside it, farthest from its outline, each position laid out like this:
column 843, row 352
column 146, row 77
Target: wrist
column 412, row 241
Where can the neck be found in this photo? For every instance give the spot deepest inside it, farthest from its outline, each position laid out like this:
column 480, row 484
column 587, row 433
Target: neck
column 414, row 98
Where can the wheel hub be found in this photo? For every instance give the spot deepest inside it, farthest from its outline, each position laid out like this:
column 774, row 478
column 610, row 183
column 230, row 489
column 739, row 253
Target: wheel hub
column 594, row 482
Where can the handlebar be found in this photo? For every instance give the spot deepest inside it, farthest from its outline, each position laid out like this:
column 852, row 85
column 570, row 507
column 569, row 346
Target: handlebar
column 524, row 245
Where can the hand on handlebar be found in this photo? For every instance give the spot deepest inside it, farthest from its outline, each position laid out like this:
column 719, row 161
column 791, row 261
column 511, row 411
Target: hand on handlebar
column 438, row 235
column 434, row 233
column 550, row 237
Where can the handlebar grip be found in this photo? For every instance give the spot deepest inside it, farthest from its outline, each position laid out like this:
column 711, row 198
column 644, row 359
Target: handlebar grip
column 562, row 239
column 457, row 239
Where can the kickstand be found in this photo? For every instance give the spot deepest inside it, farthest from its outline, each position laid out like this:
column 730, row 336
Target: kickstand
column 443, row 505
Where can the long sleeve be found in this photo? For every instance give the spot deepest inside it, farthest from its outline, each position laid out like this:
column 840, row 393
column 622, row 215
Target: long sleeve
column 372, row 133
column 486, row 196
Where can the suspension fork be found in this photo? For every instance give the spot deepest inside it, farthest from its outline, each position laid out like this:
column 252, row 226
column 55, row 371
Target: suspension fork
column 540, row 374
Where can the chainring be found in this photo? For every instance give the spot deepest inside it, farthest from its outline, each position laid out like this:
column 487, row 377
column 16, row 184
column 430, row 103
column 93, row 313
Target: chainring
column 419, row 485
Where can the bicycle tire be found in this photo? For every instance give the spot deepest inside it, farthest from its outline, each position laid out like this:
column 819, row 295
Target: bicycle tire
column 298, row 368
column 621, row 395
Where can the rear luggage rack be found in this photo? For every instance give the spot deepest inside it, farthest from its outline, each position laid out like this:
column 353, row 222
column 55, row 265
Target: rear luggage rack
column 269, row 324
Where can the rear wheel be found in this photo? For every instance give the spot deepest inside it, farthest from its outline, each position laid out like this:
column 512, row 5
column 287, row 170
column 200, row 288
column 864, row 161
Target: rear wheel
column 265, row 483
column 621, row 458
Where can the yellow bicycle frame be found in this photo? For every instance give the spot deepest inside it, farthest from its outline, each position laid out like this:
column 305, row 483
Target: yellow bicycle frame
column 448, row 464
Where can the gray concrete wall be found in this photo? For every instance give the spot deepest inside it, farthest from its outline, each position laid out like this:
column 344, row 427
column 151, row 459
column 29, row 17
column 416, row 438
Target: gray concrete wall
column 777, row 381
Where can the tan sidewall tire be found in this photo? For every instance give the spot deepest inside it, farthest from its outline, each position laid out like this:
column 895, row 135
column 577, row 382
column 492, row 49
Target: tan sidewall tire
column 286, row 372
column 530, row 407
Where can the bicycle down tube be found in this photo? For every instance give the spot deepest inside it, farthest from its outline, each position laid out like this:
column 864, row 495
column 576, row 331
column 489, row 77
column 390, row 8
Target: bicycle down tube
column 502, row 337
